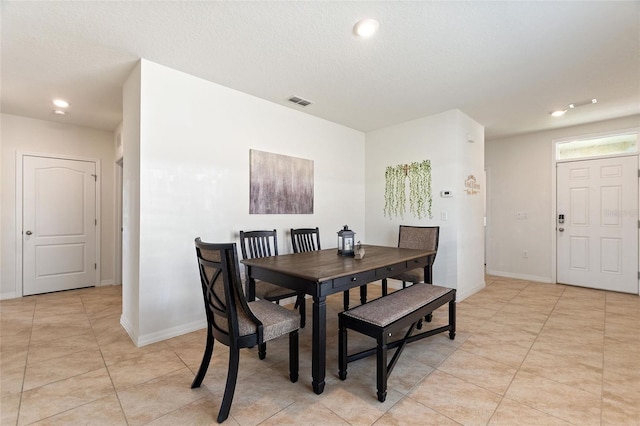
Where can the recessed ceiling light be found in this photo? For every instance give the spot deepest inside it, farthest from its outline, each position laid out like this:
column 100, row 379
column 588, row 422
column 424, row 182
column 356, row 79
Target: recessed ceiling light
column 365, row 27
column 61, row 103
column 558, row 113
column 58, row 112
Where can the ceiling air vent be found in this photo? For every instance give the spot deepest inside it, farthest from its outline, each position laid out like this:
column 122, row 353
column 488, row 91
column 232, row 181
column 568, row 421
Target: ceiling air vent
column 299, row 101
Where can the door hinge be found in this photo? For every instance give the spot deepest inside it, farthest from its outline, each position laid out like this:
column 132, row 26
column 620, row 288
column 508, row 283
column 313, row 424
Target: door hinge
column 95, row 177
column 96, row 222
column 95, row 266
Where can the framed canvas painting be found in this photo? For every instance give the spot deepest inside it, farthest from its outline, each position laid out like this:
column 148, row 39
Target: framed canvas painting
column 280, row 184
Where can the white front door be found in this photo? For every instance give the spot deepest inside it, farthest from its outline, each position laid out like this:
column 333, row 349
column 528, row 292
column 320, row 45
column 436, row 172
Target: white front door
column 59, row 224
column 597, row 245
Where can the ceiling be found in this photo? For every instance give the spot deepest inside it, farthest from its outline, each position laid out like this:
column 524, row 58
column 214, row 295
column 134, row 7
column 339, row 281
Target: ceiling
column 505, row 64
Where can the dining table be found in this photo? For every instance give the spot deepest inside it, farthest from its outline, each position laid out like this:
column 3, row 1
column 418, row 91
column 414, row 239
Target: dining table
column 322, row 273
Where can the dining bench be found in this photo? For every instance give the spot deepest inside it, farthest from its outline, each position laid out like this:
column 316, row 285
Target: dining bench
column 385, row 317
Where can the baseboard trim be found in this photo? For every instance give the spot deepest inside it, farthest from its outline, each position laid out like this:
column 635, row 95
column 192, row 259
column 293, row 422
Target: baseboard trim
column 520, row 276
column 124, row 322
column 161, row 335
column 8, row 295
column 460, row 296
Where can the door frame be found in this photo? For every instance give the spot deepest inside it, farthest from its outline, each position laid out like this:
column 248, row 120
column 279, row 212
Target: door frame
column 19, row 225
column 554, row 183
column 117, row 277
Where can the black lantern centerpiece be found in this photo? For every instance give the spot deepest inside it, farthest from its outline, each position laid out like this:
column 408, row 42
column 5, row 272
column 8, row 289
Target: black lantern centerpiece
column 346, row 241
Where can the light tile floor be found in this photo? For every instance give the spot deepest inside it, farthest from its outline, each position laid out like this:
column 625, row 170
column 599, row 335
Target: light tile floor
column 525, row 353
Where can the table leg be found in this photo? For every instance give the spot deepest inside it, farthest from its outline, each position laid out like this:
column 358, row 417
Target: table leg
column 363, row 294
column 319, row 343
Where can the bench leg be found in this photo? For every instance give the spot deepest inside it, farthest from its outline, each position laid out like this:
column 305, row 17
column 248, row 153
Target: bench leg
column 452, row 319
column 381, row 368
column 342, row 350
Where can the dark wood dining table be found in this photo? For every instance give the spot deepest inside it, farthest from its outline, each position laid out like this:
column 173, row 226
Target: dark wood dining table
column 324, row 272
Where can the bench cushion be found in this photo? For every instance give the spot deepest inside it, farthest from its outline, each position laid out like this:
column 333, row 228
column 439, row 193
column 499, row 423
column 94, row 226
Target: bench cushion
column 387, row 309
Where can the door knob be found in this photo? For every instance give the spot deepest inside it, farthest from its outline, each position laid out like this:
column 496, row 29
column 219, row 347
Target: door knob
column 28, row 232
column 561, row 229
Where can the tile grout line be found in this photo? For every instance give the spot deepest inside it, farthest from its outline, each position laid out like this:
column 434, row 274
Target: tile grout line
column 502, row 397
column 26, row 360
column 104, row 361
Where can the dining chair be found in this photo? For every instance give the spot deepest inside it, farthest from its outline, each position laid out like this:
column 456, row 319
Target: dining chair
column 256, row 244
column 305, row 239
column 417, row 237
column 233, row 321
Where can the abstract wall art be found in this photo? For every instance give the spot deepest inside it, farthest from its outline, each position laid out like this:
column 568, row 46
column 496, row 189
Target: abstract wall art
column 280, row 184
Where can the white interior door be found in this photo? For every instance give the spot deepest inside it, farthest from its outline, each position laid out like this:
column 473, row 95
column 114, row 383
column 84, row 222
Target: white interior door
column 597, row 245
column 59, row 224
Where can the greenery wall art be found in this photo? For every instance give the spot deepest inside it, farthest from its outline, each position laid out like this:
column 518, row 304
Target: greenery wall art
column 395, row 198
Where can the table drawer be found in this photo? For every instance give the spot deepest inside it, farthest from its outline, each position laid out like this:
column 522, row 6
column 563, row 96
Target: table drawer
column 417, row 263
column 390, row 271
column 354, row 280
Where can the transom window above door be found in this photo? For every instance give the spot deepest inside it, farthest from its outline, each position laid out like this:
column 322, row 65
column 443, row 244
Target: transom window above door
column 598, row 146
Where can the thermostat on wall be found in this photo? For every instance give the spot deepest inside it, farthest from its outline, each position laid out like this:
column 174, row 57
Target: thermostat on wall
column 446, row 194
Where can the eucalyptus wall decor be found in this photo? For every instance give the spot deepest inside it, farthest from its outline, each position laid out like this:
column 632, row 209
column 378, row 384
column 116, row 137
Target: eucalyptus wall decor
column 395, row 199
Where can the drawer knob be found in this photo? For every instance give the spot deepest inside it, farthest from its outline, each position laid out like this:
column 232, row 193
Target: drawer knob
column 354, row 278
column 389, row 268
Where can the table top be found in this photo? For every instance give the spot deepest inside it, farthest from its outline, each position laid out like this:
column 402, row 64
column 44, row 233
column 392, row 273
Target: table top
column 323, row 265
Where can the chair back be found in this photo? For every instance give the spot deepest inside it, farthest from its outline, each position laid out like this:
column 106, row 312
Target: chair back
column 255, row 244
column 226, row 308
column 305, row 239
column 424, row 238
column 419, row 237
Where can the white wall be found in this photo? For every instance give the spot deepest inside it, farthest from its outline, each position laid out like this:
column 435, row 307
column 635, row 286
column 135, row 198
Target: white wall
column 519, row 173
column 443, row 139
column 194, row 144
column 28, row 135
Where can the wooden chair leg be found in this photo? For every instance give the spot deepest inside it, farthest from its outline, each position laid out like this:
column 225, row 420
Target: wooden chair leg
column 230, row 388
column 303, row 310
column 206, row 359
column 385, row 287
column 345, row 299
column 262, row 350
column 294, row 362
